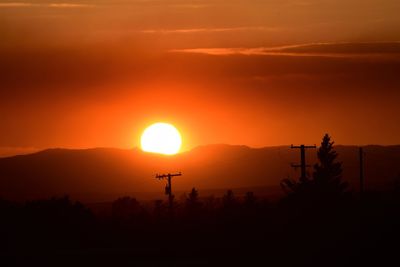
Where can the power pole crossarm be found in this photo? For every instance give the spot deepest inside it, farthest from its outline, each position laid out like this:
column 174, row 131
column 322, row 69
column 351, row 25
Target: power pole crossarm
column 168, row 187
column 162, row 176
column 314, row 146
column 303, row 164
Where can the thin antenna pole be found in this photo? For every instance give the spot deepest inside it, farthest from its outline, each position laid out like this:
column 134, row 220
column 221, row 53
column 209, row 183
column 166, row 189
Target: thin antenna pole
column 361, row 171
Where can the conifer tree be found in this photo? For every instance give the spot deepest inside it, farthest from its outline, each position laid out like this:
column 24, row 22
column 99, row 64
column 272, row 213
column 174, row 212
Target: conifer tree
column 326, row 183
column 192, row 201
column 327, row 176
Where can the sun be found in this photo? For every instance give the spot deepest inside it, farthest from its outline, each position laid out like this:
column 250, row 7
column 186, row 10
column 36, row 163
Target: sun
column 162, row 138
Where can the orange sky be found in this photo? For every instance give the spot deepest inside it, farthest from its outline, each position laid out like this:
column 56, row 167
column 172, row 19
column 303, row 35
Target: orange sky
column 260, row 73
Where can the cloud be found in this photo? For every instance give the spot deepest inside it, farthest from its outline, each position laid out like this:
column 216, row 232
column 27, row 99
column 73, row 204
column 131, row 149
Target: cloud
column 342, row 47
column 258, row 51
column 68, row 5
column 51, row 5
column 334, row 50
column 201, row 30
column 15, row 4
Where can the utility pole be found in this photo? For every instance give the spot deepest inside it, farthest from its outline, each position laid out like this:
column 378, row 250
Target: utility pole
column 303, row 164
column 168, row 187
column 361, row 171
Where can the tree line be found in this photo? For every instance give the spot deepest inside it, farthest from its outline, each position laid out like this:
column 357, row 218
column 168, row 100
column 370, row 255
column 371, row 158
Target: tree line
column 319, row 221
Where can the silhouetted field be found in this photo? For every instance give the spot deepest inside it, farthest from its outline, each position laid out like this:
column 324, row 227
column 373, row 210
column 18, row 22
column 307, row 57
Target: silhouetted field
column 319, row 221
column 210, row 231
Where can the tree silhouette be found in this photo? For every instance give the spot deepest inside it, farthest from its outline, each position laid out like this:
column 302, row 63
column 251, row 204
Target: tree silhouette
column 229, row 204
column 327, row 176
column 210, row 205
column 192, row 204
column 160, row 210
column 229, row 199
column 125, row 208
column 193, row 200
column 250, row 200
column 326, row 184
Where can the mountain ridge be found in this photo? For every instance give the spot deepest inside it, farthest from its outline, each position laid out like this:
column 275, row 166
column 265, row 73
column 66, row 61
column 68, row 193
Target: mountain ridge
column 114, row 171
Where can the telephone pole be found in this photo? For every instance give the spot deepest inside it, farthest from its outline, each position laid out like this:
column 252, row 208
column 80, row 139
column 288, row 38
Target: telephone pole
column 168, row 187
column 361, row 171
column 303, row 164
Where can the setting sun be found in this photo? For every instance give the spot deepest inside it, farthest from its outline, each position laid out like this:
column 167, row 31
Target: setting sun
column 162, row 138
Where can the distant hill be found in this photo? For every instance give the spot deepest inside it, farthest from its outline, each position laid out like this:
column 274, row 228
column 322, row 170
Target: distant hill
column 105, row 173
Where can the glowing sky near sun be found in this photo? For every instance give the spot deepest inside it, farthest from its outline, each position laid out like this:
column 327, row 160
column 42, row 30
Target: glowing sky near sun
column 259, row 73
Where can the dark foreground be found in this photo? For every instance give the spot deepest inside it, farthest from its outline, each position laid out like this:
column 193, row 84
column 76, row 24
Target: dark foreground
column 203, row 232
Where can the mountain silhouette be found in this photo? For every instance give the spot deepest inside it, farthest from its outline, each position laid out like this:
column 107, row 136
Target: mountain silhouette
column 105, row 173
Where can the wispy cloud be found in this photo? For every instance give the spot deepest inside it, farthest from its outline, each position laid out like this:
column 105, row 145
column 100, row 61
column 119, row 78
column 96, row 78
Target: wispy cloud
column 51, row 5
column 16, row 4
column 260, row 51
column 201, row 30
column 223, row 51
column 69, row 5
column 337, row 50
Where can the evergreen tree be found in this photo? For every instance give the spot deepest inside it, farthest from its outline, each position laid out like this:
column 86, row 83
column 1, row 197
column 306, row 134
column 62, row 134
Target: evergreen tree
column 250, row 200
column 327, row 176
column 326, row 184
column 229, row 203
column 193, row 198
column 192, row 202
column 125, row 208
column 229, row 199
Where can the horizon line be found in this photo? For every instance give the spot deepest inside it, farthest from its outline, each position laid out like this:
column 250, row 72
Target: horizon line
column 32, row 150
